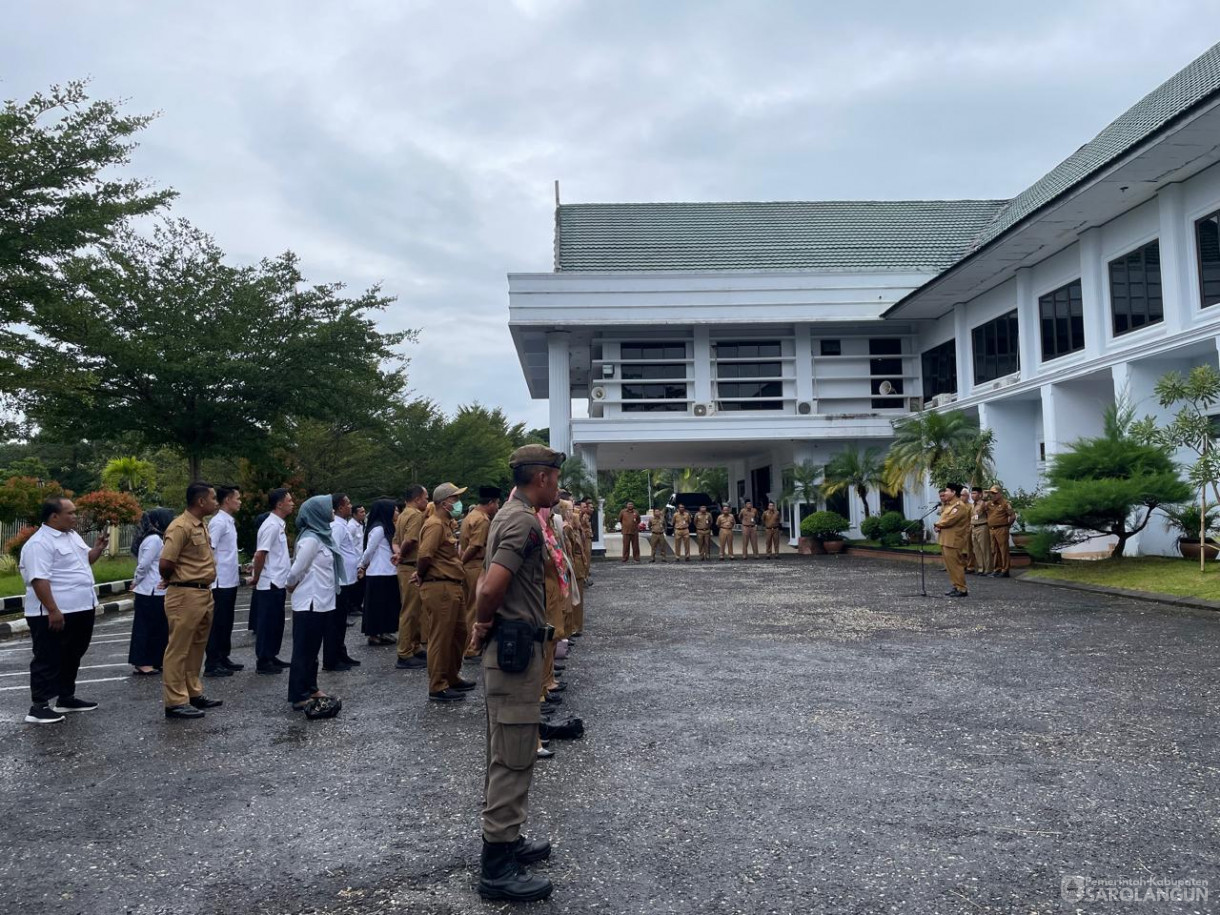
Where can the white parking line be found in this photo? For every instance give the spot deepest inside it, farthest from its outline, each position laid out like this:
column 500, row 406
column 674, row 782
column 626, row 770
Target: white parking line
column 5, row 689
column 25, row 673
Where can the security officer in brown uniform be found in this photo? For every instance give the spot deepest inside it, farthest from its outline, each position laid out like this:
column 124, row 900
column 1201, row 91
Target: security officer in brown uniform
column 656, row 539
column 724, row 523
column 188, row 567
column 682, row 533
column 749, row 530
column 473, row 543
column 442, row 589
column 510, row 621
column 629, row 524
column 771, row 524
column 954, row 529
column 1000, row 516
column 980, row 536
column 412, row 625
column 703, row 532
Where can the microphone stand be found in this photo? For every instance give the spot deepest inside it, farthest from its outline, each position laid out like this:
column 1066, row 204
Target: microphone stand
column 923, row 536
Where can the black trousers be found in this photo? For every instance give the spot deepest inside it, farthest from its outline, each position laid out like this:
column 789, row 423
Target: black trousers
column 269, row 635
column 308, row 631
column 357, row 597
column 149, row 632
column 57, row 655
column 220, row 639
column 334, row 650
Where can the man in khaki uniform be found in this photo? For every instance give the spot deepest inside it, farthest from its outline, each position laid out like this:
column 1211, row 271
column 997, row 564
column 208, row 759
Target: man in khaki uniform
column 188, row 567
column 442, row 590
column 412, row 624
column 980, row 534
column 954, row 529
column 749, row 530
column 1000, row 517
column 703, row 532
column 682, row 533
column 586, row 523
column 724, row 523
column 474, row 546
column 512, row 610
column 656, row 539
column 771, row 524
column 629, row 523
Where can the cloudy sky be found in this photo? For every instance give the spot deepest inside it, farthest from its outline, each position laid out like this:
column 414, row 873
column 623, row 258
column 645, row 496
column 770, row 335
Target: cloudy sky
column 415, row 143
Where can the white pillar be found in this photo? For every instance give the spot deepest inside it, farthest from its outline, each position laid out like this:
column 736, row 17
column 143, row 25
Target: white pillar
column 599, row 528
column 1176, row 259
column 804, row 364
column 1093, row 293
column 1027, row 324
column 702, row 354
column 559, row 391
column 963, row 346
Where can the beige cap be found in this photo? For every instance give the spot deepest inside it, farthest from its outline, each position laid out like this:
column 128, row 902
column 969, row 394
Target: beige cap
column 445, row 490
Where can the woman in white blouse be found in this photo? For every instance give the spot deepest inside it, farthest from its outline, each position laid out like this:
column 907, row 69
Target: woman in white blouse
column 381, row 600
column 149, row 627
column 313, row 583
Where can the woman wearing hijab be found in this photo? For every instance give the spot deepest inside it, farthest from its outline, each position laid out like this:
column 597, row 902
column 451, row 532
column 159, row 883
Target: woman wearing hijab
column 313, row 583
column 381, row 600
column 149, row 628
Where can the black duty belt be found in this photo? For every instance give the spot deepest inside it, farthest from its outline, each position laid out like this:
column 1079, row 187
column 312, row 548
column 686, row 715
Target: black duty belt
column 201, row 585
column 541, row 634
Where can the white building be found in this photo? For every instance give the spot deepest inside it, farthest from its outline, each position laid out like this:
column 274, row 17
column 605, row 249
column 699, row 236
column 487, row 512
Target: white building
column 758, row 335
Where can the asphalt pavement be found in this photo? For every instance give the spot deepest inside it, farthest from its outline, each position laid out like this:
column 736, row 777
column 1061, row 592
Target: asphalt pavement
column 799, row 736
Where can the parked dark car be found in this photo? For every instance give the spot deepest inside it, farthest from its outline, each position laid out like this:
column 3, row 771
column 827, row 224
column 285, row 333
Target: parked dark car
column 692, row 501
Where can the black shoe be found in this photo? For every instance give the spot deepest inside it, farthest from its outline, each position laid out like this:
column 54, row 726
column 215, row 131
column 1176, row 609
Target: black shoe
column 950, row 592
column 351, row 661
column 72, row 704
column 205, row 702
column 1003, row 575
column 422, row 654
column 42, row 714
column 463, row 685
column 232, row 665
column 413, row 663
column 553, row 700
column 269, row 668
column 283, row 665
column 559, row 668
column 337, row 668
column 559, row 687
column 956, row 593
column 501, row 875
column 218, row 672
column 447, row 695
column 183, row 711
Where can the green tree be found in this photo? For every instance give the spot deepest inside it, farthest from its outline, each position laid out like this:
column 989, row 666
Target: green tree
column 159, row 338
column 802, row 487
column 574, row 476
column 1100, row 484
column 473, row 448
column 712, row 481
column 859, row 471
column 21, row 498
column 130, row 474
column 972, row 462
column 923, row 444
column 630, row 485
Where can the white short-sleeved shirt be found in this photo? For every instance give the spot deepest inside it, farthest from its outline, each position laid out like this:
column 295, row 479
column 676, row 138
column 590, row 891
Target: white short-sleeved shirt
column 376, row 558
column 273, row 539
column 223, row 531
column 148, row 571
column 313, row 574
column 62, row 558
column 342, row 534
column 357, row 532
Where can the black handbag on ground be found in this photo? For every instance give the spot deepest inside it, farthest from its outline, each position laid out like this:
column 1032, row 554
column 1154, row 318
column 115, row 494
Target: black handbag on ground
column 562, row 729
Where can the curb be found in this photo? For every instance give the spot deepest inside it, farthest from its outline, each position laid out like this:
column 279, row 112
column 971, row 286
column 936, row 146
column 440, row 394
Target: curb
column 102, row 588
column 20, row 628
column 1152, row 597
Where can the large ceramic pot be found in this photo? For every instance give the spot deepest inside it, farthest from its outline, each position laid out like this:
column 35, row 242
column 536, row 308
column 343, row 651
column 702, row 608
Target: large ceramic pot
column 1021, row 541
column 833, row 546
column 1190, row 549
column 809, row 546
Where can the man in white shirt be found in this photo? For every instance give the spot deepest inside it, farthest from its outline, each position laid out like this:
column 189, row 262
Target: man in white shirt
column 223, row 532
column 60, row 606
column 271, row 565
column 355, row 524
column 334, row 651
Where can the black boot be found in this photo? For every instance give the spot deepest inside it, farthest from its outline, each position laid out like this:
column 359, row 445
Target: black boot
column 530, row 852
column 501, row 876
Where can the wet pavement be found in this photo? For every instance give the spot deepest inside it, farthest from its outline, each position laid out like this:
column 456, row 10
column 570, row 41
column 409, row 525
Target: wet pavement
column 798, row 736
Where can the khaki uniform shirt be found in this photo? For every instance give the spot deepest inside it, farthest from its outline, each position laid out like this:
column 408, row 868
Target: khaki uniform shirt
column 979, row 512
column 656, row 524
column 514, row 541
column 630, row 520
column 725, row 521
column 409, row 527
column 954, row 525
column 189, row 546
column 1000, row 513
column 749, row 517
column 771, row 518
column 436, row 542
column 681, row 522
column 474, row 534
column 703, row 521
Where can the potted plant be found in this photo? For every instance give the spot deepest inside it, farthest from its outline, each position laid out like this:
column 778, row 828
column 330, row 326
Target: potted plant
column 1020, row 501
column 1187, row 521
column 826, row 529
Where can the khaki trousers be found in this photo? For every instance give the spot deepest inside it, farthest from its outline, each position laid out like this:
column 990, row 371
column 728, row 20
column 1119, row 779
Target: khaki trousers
column 473, row 571
column 578, row 614
column 189, row 612
column 657, row 542
column 446, row 611
column 512, row 743
column 682, row 544
column 955, row 565
column 999, row 548
column 773, row 541
column 749, row 540
column 412, row 625
column 705, row 543
column 980, row 541
column 726, row 544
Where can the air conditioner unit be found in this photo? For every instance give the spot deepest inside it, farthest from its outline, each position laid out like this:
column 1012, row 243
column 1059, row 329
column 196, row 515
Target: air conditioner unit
column 597, row 392
column 941, row 400
column 705, row 409
column 804, row 407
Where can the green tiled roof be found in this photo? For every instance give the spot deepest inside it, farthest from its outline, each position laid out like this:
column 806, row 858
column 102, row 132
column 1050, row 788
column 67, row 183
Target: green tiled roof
column 866, row 235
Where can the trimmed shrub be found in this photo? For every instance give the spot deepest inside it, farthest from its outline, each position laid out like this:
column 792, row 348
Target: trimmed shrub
column 98, row 510
column 1044, row 542
column 824, row 526
column 893, row 523
column 870, row 527
column 12, row 546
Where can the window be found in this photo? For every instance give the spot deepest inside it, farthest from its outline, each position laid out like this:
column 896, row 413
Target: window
column 891, row 502
column 760, row 394
column 748, row 370
column 654, row 370
column 1207, row 238
column 885, row 375
column 940, row 370
column 832, row 348
column 1135, row 289
column 652, row 351
column 996, row 351
column 1062, row 313
column 761, row 350
column 675, row 393
column 840, row 502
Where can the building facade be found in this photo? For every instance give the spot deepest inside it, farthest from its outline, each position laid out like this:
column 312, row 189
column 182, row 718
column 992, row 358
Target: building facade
column 758, row 336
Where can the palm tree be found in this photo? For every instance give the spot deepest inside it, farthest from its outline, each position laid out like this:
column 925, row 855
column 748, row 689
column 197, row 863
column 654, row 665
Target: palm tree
column 923, row 442
column 574, row 476
column 857, row 470
column 711, row 480
column 129, row 474
column 802, row 488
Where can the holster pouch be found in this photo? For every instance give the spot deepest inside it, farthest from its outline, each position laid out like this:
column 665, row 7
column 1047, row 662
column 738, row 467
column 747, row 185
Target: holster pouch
column 514, row 645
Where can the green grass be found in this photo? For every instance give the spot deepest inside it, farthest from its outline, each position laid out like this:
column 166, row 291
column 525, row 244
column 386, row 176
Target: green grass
column 104, row 569
column 1162, row 575
column 929, row 548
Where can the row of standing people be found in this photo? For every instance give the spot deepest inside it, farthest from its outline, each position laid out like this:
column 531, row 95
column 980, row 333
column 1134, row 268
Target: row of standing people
column 703, row 523
column 973, row 530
